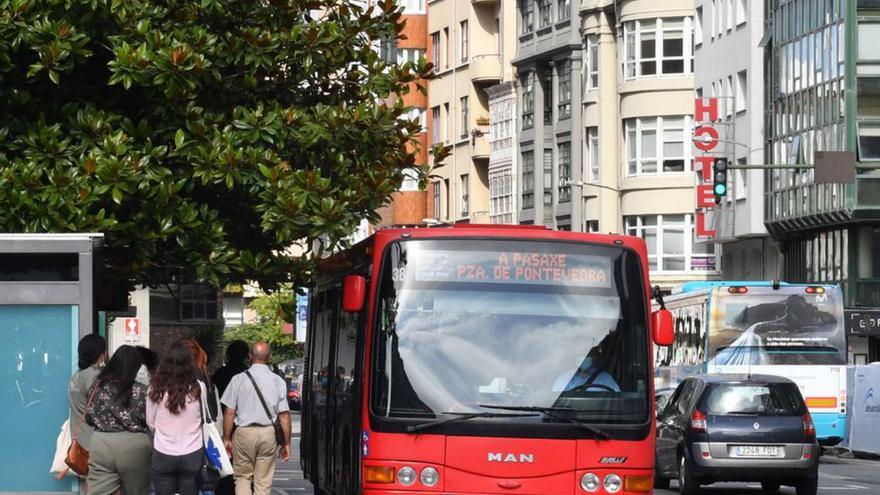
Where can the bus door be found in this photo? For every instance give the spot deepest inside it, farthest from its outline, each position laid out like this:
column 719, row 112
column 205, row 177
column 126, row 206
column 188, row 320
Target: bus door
column 321, row 397
column 345, row 414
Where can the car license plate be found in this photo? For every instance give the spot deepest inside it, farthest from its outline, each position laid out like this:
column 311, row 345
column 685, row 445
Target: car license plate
column 756, row 451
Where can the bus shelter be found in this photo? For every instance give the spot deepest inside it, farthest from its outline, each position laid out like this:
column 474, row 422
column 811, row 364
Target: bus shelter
column 46, row 305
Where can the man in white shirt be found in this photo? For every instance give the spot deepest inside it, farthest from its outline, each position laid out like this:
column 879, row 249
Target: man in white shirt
column 252, row 445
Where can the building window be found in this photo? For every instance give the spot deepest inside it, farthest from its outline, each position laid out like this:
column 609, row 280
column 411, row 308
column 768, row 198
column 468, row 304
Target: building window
column 657, row 140
column 465, row 117
column 198, row 302
column 436, row 187
column 592, row 65
column 564, row 106
column 412, row 6
column 412, row 55
column 593, row 154
column 528, row 102
column 448, row 55
column 563, row 10
column 672, row 243
column 547, row 85
column 741, row 82
column 564, row 156
column 463, row 47
column 447, row 197
column 528, row 179
column 435, row 50
column 501, row 197
column 465, row 190
column 544, row 13
column 592, row 226
column 527, row 16
column 698, row 27
column 657, row 47
column 741, row 12
column 548, row 177
column 435, row 125
column 729, row 15
column 447, row 123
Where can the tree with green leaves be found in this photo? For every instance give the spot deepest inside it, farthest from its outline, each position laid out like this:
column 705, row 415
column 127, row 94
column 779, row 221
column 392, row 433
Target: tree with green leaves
column 272, row 311
column 203, row 137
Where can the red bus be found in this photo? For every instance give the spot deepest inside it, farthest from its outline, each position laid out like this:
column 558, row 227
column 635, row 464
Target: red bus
column 482, row 359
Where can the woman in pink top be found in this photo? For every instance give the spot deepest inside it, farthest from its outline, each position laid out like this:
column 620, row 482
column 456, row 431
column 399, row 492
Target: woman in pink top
column 174, row 413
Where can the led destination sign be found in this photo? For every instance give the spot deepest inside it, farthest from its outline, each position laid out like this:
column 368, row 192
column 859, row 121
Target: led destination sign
column 513, row 268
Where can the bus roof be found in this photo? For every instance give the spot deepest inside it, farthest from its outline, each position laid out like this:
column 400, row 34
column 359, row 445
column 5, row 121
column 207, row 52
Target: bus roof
column 697, row 286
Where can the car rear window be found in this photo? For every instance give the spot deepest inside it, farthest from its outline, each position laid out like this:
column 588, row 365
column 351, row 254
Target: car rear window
column 772, row 399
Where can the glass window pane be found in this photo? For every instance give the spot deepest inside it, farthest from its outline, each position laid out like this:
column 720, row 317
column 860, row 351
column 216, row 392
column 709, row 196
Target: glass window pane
column 649, row 143
column 673, row 241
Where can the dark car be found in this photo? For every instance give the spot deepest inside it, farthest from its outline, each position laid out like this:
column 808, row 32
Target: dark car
column 737, row 428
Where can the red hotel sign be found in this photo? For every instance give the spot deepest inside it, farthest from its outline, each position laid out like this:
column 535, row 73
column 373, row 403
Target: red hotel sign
column 705, row 140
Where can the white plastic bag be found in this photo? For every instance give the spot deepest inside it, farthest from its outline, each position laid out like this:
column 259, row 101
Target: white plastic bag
column 215, row 450
column 62, row 445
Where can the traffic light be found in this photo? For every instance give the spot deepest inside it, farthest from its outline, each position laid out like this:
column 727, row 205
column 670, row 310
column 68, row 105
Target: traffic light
column 719, row 177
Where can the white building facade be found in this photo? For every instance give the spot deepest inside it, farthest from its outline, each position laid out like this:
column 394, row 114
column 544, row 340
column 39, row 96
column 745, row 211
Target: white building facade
column 729, row 65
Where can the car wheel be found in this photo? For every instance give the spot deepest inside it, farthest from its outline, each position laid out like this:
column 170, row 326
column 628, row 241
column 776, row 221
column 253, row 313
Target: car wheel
column 808, row 486
column 770, row 486
column 660, row 482
column 687, row 485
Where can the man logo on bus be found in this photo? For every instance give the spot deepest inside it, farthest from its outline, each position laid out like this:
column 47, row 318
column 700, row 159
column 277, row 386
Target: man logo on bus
column 522, row 458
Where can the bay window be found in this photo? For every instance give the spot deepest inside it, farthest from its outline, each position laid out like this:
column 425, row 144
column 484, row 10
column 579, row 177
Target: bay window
column 564, row 106
column 657, row 145
column 592, row 65
column 564, row 170
column 672, row 244
column 528, row 102
column 657, row 47
column 528, row 179
column 593, row 154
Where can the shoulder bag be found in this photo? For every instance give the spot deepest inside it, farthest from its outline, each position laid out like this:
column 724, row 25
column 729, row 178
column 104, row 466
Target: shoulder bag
column 279, row 431
column 78, row 457
column 208, row 478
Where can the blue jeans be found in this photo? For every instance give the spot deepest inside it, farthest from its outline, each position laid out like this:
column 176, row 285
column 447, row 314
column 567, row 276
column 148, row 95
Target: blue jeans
column 176, row 473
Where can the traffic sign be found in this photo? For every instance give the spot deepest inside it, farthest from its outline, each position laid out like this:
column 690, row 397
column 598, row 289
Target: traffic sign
column 132, row 329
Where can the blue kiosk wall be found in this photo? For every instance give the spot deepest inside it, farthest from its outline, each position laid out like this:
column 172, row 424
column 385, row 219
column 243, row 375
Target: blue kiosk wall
column 46, row 306
column 36, row 362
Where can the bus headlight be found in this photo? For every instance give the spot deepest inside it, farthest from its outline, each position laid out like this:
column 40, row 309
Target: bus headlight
column 613, row 483
column 430, row 476
column 590, row 483
column 406, row 476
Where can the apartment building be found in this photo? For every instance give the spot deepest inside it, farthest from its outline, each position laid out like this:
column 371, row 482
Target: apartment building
column 729, row 66
column 470, row 52
column 606, row 98
column 409, row 206
column 548, row 61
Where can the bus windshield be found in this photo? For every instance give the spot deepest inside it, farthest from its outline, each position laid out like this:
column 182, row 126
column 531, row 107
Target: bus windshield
column 465, row 323
column 785, row 326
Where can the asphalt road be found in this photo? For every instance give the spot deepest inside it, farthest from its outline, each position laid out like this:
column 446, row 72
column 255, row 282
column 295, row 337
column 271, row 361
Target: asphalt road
column 836, row 477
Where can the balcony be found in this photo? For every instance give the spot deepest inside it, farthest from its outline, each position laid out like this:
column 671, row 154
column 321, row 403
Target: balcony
column 485, row 69
column 480, row 143
column 485, row 2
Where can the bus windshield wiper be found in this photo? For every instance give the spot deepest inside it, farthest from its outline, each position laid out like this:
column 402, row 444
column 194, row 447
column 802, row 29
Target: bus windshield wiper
column 462, row 417
column 565, row 414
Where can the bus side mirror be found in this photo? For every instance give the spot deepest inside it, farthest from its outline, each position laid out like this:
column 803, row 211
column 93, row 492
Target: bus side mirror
column 354, row 292
column 662, row 327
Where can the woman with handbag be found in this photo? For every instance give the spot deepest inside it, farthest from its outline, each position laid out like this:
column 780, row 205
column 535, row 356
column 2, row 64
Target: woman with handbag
column 91, row 354
column 174, row 413
column 119, row 458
